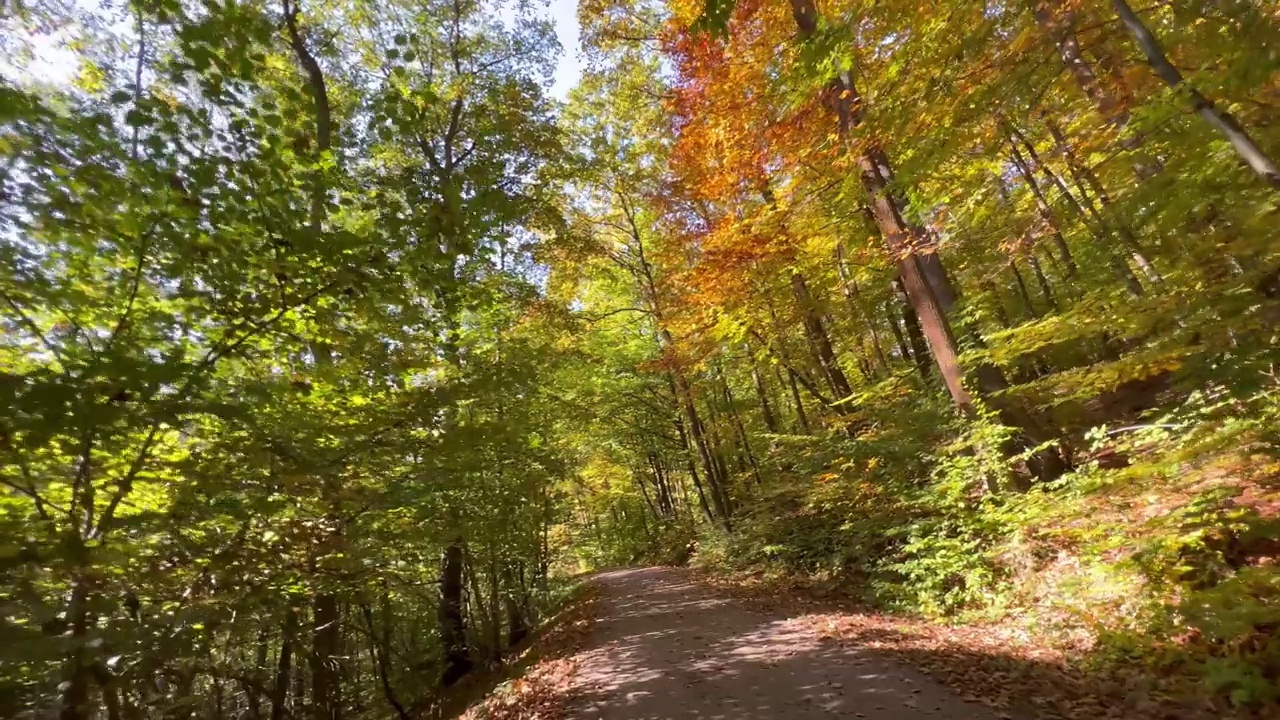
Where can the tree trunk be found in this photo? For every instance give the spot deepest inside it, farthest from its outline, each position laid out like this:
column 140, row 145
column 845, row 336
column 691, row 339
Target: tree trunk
column 856, row 307
column 1042, row 280
column 1044, row 209
column 516, row 603
column 1117, row 263
column 284, row 664
column 802, row 418
column 380, row 650
column 693, row 470
column 1220, row 120
column 453, row 627
column 899, row 339
column 737, row 424
column 1022, row 288
column 819, row 340
column 326, row 652
column 1058, row 23
column 997, row 305
column 919, row 351
column 901, row 240
column 1085, row 177
column 762, row 394
column 697, row 433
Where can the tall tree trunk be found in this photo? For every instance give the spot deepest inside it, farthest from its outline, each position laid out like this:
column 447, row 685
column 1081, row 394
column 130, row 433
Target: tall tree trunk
column 1058, row 22
column 516, row 602
column 762, row 393
column 1042, row 280
column 692, row 468
column 453, row 626
column 697, row 434
column 737, row 424
column 1022, row 288
column 75, row 703
column 1117, row 263
column 919, row 351
column 899, row 339
column 284, row 664
column 1220, row 120
column 856, row 306
column 644, row 493
column 902, row 241
column 819, row 340
column 495, row 607
column 1085, row 177
column 1044, row 209
column 326, row 653
column 380, row 650
column 802, row 418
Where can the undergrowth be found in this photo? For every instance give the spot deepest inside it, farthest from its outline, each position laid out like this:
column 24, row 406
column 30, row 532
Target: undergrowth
column 1157, row 554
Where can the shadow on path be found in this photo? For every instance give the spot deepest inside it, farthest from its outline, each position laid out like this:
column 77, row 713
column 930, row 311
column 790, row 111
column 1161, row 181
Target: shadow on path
column 667, row 647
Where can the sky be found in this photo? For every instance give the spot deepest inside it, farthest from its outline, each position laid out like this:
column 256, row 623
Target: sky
column 53, row 62
column 564, row 13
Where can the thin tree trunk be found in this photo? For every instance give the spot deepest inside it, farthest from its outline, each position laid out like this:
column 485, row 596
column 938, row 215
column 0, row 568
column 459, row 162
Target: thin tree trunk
column 802, row 418
column 697, row 434
column 516, row 607
column 453, row 626
column 1042, row 280
column 737, row 423
column 762, row 394
column 903, row 351
column 1022, row 288
column 1221, row 120
column 1117, row 263
column 75, row 701
column 326, row 651
column 902, row 239
column 1058, row 23
column 819, row 340
column 495, row 607
column 1085, row 177
column 997, row 305
column 379, row 649
column 692, row 468
column 919, row 351
column 284, row 664
column 856, row 306
column 1045, row 209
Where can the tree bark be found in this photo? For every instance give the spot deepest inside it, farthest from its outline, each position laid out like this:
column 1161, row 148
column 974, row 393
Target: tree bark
column 1220, row 120
column 919, row 350
column 284, row 665
column 762, row 394
column 819, row 340
column 1117, row 263
column 326, row 652
column 453, row 627
column 1022, row 288
column 857, row 308
column 903, row 241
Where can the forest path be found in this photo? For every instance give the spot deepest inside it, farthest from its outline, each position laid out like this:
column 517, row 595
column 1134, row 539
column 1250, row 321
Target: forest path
column 665, row 646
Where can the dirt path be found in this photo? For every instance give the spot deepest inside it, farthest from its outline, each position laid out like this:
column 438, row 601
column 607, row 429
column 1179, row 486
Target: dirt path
column 666, row 647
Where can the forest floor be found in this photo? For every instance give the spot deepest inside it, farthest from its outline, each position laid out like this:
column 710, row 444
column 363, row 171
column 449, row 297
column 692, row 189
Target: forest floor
column 667, row 646
column 669, row 643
